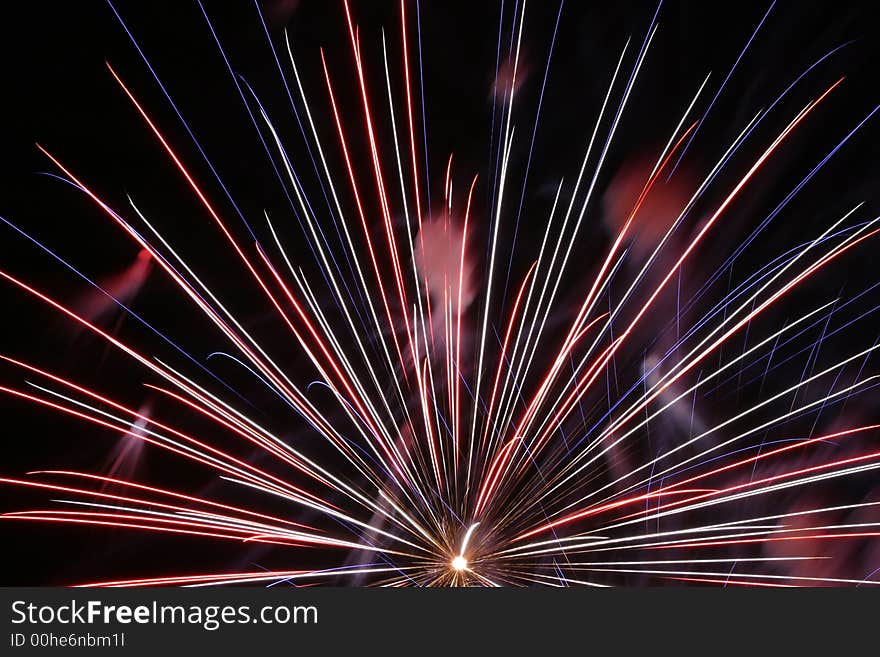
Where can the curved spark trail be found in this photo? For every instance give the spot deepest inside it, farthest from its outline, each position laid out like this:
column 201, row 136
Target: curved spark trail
column 563, row 434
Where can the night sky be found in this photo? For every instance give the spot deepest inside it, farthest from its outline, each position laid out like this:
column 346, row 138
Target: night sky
column 58, row 92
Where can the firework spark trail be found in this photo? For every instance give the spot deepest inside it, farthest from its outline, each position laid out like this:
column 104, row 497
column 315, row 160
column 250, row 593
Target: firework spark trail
column 286, row 387
column 741, row 323
column 673, row 468
column 576, row 331
column 593, row 371
column 561, row 235
column 387, row 445
column 592, row 297
column 687, row 360
column 352, row 249
column 272, row 483
column 394, row 459
column 662, row 491
column 443, row 494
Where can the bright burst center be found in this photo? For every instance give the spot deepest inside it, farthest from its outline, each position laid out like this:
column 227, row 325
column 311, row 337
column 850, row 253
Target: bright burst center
column 459, row 563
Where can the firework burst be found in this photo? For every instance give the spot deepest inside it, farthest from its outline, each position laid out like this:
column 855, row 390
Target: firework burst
column 480, row 408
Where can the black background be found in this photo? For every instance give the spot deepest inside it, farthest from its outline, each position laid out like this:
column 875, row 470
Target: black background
column 58, row 92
